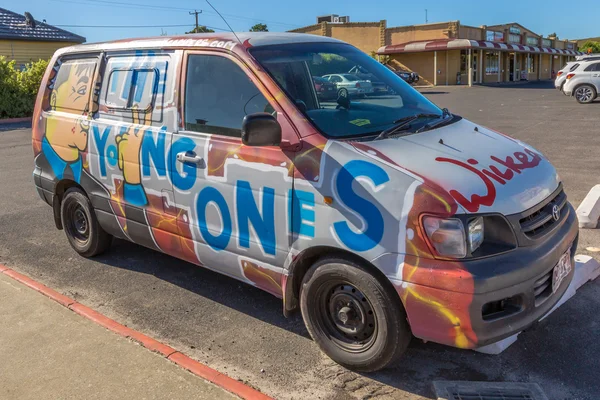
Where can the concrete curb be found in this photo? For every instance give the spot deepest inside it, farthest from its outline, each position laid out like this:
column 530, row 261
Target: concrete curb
column 14, row 120
column 586, row 269
column 588, row 211
column 197, row 368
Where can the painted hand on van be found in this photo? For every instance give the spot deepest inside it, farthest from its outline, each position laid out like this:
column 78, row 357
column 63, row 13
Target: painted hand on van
column 65, row 139
column 129, row 141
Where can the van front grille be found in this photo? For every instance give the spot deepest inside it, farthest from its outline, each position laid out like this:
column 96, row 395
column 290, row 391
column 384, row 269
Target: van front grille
column 541, row 221
column 542, row 289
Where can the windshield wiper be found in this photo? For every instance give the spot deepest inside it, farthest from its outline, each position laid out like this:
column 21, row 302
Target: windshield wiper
column 445, row 113
column 401, row 123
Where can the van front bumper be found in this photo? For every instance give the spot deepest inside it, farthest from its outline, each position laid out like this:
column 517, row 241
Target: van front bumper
column 449, row 302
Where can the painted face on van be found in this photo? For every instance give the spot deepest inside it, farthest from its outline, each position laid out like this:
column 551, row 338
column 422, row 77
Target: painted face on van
column 70, row 93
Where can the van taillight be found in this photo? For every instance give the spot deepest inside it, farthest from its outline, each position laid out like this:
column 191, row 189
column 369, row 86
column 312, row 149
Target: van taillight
column 357, row 85
column 569, row 76
column 559, row 74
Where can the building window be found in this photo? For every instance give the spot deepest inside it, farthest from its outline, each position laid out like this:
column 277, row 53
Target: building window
column 514, row 38
column 463, row 61
column 546, row 42
column 492, row 36
column 492, row 63
column 531, row 64
column 532, row 41
column 515, row 30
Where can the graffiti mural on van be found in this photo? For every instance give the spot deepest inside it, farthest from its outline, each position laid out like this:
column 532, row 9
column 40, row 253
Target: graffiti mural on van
column 229, row 157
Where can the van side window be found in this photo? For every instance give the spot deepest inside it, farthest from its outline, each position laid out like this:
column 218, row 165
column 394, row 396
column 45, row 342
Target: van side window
column 132, row 88
column 72, row 85
column 218, row 95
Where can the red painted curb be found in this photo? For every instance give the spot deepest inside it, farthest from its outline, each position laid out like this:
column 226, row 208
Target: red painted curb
column 54, row 295
column 14, row 120
column 195, row 367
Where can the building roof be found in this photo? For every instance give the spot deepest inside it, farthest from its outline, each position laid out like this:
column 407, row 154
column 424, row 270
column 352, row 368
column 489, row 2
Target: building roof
column 455, row 44
column 13, row 26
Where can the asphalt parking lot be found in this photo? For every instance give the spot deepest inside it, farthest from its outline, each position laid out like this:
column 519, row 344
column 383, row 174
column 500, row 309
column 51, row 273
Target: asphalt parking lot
column 241, row 331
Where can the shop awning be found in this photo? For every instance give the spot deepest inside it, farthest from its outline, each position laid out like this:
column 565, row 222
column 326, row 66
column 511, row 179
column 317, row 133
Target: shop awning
column 455, row 44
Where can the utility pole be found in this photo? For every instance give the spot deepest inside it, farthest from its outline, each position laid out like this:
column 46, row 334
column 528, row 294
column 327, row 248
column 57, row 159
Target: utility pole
column 196, row 14
column 426, row 21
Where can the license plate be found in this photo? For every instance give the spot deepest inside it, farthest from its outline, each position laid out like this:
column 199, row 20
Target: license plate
column 329, row 88
column 561, row 271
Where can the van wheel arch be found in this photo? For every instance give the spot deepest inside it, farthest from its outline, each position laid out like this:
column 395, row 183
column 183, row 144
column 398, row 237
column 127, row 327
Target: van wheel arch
column 59, row 192
column 306, row 259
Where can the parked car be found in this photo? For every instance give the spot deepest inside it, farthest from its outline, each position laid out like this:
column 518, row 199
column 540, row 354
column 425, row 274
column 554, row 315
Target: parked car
column 325, row 89
column 349, row 85
column 378, row 220
column 379, row 87
column 561, row 76
column 584, row 82
column 408, row 76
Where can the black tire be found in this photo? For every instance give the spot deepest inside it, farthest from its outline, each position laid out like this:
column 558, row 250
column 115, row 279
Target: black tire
column 81, row 226
column 355, row 319
column 343, row 92
column 585, row 94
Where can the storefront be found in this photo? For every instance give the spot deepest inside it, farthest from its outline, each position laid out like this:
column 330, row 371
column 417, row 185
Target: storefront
column 468, row 62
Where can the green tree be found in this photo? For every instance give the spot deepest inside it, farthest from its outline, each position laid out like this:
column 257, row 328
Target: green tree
column 553, row 35
column 18, row 88
column 594, row 46
column 201, row 29
column 259, row 28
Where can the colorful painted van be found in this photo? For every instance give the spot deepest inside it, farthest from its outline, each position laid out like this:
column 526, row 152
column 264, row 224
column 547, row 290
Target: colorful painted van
column 381, row 218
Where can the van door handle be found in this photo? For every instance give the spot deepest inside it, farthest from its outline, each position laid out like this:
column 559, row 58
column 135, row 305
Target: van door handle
column 190, row 157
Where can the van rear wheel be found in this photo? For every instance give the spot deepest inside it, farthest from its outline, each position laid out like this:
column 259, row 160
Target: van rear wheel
column 354, row 318
column 81, row 226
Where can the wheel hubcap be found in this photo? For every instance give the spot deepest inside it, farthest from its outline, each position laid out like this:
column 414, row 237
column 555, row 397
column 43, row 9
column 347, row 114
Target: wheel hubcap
column 78, row 223
column 584, row 94
column 348, row 317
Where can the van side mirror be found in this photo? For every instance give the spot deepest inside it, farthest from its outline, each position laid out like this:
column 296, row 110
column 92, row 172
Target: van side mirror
column 261, row 129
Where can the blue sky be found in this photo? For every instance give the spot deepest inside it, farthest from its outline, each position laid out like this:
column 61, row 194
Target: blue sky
column 567, row 19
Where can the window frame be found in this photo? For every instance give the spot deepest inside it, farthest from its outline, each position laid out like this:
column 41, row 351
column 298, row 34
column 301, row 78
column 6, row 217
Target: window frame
column 128, row 107
column 243, row 66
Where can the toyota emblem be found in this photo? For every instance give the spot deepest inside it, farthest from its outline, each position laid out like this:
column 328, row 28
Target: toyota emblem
column 555, row 212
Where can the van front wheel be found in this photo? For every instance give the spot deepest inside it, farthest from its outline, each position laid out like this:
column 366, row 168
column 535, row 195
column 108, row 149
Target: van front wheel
column 354, row 318
column 81, row 226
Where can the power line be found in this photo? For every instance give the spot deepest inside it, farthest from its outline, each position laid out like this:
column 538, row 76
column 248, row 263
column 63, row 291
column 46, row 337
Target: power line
column 156, row 7
column 136, row 26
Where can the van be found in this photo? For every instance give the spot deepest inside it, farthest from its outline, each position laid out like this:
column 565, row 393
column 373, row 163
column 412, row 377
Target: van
column 380, row 218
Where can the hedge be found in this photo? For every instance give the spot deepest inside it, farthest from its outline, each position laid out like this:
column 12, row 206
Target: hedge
column 18, row 89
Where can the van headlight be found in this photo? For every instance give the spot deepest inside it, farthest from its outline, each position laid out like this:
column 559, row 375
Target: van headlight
column 475, row 233
column 446, row 235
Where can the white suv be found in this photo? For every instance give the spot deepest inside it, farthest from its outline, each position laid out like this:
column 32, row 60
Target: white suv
column 584, row 82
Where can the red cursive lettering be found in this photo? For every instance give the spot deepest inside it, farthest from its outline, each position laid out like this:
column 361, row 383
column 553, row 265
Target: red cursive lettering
column 513, row 167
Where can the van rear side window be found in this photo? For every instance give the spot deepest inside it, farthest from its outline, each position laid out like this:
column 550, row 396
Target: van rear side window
column 132, row 89
column 72, row 85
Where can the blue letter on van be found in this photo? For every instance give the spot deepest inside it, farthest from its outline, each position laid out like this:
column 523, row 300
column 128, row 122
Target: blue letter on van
column 155, row 150
column 101, row 145
column 373, row 219
column 207, row 195
column 186, row 180
column 247, row 211
column 299, row 215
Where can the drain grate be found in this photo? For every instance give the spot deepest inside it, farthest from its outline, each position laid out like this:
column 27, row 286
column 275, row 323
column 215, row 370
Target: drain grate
column 450, row 390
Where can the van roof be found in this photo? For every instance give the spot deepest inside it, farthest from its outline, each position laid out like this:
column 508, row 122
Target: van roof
column 249, row 39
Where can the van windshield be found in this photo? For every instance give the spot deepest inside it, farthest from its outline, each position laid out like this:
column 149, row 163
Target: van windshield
column 362, row 98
